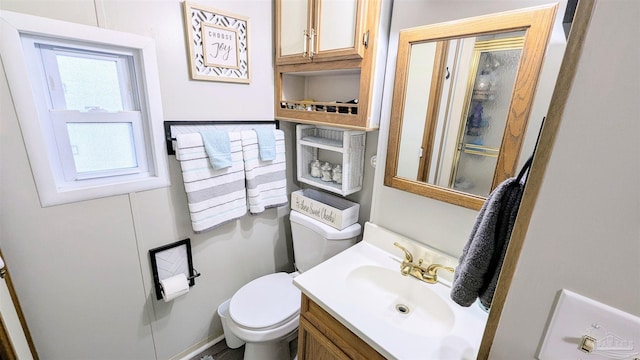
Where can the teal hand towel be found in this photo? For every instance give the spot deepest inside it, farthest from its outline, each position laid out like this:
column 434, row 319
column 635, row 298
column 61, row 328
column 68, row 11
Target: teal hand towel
column 266, row 144
column 218, row 148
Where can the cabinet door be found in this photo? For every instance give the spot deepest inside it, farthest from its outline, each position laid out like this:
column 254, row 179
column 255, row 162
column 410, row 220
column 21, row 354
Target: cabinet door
column 322, row 337
column 313, row 345
column 339, row 29
column 293, row 30
column 320, row 30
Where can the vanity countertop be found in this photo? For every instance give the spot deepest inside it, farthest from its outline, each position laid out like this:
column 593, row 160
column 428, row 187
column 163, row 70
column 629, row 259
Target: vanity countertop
column 399, row 316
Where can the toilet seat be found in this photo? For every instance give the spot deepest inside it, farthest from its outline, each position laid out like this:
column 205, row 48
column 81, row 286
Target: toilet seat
column 266, row 303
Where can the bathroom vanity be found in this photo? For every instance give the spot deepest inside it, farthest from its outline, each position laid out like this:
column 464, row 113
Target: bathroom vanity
column 321, row 336
column 358, row 305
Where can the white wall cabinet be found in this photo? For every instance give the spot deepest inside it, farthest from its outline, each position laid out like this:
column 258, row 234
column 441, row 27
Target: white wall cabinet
column 320, row 30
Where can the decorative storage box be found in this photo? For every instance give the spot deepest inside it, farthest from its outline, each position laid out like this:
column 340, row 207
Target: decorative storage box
column 332, row 210
column 336, row 147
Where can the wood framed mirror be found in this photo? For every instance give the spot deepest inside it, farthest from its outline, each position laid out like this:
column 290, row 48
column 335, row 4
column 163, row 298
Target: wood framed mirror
column 462, row 96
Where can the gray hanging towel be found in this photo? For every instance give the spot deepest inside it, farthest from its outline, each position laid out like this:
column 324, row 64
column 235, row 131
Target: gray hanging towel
column 479, row 265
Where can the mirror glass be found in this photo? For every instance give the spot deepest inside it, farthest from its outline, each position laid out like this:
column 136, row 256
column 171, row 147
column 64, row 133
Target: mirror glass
column 460, row 150
column 461, row 101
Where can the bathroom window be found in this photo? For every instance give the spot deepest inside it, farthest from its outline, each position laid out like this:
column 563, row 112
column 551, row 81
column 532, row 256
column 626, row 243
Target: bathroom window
column 94, row 111
column 88, row 104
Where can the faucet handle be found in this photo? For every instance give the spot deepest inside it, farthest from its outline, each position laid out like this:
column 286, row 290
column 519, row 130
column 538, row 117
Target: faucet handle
column 407, row 255
column 433, row 269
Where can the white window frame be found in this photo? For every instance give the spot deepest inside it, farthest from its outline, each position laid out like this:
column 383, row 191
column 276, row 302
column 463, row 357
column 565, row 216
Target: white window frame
column 60, row 119
column 56, row 183
column 61, row 116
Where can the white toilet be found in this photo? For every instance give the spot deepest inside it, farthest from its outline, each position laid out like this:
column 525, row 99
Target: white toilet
column 264, row 313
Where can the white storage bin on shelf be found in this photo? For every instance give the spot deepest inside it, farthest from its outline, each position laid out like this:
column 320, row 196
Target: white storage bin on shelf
column 334, row 211
column 335, row 146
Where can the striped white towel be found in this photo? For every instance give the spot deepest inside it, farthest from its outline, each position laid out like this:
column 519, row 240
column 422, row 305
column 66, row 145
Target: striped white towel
column 214, row 196
column 266, row 180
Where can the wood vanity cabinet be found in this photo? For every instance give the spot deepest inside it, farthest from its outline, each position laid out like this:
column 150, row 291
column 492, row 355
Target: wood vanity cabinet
column 334, row 63
column 322, row 337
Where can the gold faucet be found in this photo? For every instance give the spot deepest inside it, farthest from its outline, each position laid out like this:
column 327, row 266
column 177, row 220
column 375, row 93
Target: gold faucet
column 427, row 274
column 432, row 271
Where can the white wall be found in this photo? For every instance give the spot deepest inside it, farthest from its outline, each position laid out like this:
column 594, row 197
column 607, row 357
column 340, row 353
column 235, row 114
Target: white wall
column 584, row 233
column 438, row 224
column 81, row 270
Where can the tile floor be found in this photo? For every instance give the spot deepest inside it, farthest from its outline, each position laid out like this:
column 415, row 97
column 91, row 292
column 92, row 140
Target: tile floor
column 220, row 351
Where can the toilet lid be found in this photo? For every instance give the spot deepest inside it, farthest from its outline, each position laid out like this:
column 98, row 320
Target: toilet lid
column 265, row 301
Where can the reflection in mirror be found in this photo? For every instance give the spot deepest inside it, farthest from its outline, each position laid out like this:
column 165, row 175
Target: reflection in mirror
column 468, row 161
column 462, row 96
column 424, row 86
column 458, row 149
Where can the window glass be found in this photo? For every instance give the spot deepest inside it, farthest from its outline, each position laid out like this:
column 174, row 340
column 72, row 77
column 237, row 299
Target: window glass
column 102, row 146
column 91, row 96
column 90, row 83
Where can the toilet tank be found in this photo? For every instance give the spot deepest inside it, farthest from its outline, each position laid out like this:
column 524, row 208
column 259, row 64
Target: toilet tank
column 315, row 242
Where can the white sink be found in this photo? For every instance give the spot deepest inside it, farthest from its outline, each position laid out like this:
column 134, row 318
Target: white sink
column 399, row 316
column 400, row 301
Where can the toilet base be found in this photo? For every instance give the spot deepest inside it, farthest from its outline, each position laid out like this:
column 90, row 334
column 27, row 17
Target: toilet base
column 270, row 350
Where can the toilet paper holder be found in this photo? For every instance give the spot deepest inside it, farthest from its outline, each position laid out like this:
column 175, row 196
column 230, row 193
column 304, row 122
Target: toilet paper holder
column 172, row 259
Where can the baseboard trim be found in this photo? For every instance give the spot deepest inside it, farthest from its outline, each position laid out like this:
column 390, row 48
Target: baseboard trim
column 197, row 348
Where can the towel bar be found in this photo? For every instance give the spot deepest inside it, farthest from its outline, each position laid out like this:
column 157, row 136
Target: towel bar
column 181, row 127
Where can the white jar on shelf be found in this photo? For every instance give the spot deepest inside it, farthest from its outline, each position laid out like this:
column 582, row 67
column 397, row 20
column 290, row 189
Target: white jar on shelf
column 336, row 174
column 326, row 172
column 314, row 169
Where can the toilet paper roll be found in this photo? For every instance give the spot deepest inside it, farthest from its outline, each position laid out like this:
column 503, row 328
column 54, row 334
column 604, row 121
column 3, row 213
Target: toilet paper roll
column 174, row 286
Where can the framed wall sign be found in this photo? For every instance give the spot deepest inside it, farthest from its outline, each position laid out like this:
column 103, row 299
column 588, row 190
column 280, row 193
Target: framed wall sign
column 218, row 44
